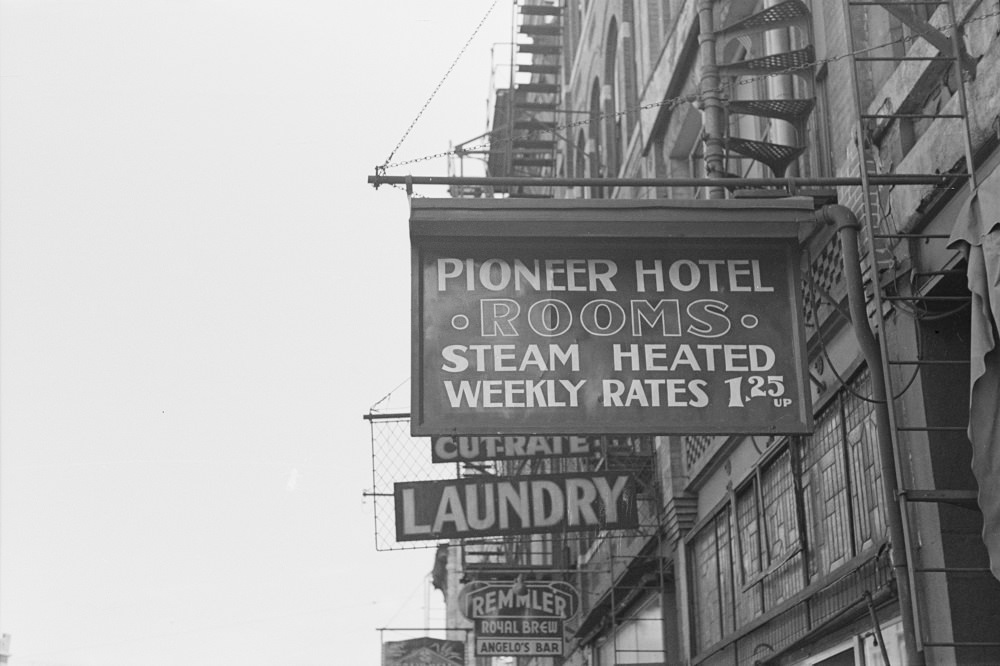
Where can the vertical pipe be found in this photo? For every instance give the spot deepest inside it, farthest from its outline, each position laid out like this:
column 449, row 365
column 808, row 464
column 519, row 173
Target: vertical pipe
column 610, row 112
column 878, row 361
column 711, row 99
column 847, row 229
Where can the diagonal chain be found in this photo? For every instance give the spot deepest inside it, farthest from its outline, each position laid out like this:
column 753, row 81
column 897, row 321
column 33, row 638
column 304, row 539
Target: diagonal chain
column 440, row 83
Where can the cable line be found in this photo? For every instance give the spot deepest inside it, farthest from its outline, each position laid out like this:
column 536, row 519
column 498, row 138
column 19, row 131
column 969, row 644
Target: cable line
column 454, row 62
column 674, row 101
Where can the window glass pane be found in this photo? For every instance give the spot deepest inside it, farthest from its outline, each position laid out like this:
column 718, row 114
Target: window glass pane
column 866, row 477
column 778, row 496
column 782, row 532
column 725, row 572
column 638, row 639
column 824, row 475
column 746, row 522
column 649, row 632
column 706, row 587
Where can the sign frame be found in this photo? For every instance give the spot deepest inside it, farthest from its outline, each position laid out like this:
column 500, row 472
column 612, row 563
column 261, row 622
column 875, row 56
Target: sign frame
column 476, row 228
column 525, row 622
column 584, row 501
column 499, row 595
column 425, row 650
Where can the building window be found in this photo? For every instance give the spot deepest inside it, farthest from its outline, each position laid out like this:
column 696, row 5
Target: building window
column 811, row 505
column 712, row 591
column 596, row 166
column 769, row 545
column 841, row 481
column 615, row 101
column 580, row 166
column 636, row 639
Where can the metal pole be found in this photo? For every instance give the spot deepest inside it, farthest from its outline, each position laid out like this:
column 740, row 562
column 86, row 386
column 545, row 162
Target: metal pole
column 949, row 180
column 876, row 627
column 711, row 100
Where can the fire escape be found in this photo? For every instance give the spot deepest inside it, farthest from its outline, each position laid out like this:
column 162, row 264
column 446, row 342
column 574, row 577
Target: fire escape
column 523, row 141
column 787, row 106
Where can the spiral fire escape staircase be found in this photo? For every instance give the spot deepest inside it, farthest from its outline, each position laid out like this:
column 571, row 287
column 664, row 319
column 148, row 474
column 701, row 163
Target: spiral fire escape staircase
column 790, row 15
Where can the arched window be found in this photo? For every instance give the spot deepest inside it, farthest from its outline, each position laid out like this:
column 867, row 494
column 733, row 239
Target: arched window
column 594, row 143
column 616, row 99
column 580, row 165
column 630, row 69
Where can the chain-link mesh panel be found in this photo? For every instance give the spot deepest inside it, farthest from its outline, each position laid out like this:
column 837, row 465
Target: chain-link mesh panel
column 396, row 456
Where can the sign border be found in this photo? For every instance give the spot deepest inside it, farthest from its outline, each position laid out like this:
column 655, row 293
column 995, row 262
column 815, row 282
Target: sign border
column 433, row 221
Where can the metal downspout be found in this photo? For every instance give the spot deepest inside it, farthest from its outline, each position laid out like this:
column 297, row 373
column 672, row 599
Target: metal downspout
column 847, row 226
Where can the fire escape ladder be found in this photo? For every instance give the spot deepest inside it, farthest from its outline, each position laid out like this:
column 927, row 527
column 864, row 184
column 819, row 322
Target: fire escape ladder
column 946, row 60
column 535, row 82
column 791, row 106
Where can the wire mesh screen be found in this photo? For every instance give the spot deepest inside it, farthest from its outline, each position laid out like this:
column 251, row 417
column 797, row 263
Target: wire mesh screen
column 396, row 456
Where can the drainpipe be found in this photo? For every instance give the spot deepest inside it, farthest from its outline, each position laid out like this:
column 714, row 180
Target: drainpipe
column 711, row 99
column 847, row 227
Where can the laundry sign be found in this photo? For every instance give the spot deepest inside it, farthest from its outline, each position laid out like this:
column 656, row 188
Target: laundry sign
column 659, row 317
column 491, row 506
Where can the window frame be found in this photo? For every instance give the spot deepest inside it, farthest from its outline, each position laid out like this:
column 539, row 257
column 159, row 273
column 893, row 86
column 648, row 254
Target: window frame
column 849, row 415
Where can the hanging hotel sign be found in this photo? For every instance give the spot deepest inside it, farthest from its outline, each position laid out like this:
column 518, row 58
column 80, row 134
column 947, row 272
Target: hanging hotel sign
column 492, row 506
column 519, row 620
column 659, row 316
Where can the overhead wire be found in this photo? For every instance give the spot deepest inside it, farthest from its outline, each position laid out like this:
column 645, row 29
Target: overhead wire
column 690, row 98
column 440, row 83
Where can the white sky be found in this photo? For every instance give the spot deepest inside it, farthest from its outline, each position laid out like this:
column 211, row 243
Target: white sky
column 201, row 296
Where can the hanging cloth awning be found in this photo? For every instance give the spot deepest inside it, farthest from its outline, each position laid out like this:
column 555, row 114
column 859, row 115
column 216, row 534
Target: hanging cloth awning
column 977, row 235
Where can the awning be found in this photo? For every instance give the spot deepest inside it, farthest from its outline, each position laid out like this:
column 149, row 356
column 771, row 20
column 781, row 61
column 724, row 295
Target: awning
column 977, row 235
